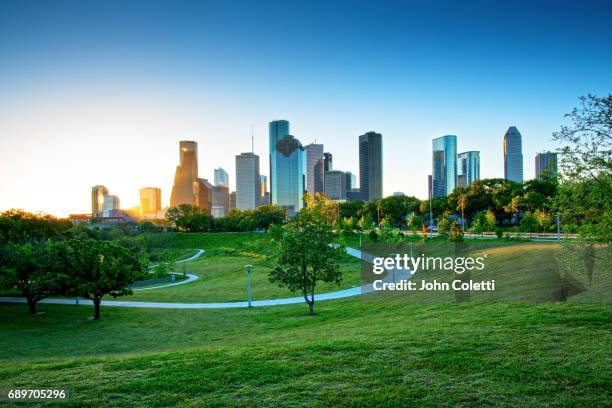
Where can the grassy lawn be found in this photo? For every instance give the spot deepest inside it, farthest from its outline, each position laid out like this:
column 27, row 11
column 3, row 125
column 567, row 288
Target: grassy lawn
column 371, row 350
column 221, row 269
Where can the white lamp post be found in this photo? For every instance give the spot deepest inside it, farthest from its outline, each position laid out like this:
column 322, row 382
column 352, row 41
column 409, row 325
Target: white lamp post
column 248, row 269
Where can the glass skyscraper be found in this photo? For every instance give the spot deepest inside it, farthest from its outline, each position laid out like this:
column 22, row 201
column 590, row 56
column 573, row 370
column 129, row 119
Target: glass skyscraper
column 288, row 174
column 546, row 165
column 468, row 168
column 513, row 155
column 444, row 165
column 221, row 177
column 185, row 188
column 370, row 166
column 314, row 168
column 97, row 200
column 277, row 129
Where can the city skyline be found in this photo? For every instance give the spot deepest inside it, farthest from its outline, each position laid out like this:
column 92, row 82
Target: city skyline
column 98, row 101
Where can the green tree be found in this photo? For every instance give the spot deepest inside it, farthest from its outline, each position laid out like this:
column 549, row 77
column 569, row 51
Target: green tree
column 543, row 219
column 34, row 269
column 266, row 215
column 586, row 164
column 307, row 255
column 444, row 225
column 529, row 223
column 490, row 220
column 414, row 223
column 477, row 227
column 456, row 232
column 100, row 268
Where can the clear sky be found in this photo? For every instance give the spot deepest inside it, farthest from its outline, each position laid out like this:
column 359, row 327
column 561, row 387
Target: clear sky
column 101, row 92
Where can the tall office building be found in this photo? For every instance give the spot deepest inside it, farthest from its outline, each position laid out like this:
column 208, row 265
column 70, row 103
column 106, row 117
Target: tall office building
column 111, row 202
column 351, row 181
column 546, row 165
column 264, row 196
column 335, row 185
column 97, row 200
column 314, row 168
column 220, row 201
column 232, row 200
column 277, row 129
column 150, row 201
column 247, row 181
column 444, row 165
column 288, row 177
column 370, row 166
column 513, row 155
column 204, row 195
column 221, row 177
column 468, row 168
column 185, row 188
column 328, row 164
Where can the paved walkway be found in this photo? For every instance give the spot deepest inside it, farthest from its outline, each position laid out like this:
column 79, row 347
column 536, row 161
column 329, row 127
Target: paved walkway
column 391, row 276
column 190, row 277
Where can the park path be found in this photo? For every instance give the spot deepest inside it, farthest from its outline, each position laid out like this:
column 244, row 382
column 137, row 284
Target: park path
column 190, row 277
column 392, row 275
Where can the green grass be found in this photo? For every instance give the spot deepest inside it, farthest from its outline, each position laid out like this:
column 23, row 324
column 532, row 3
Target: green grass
column 365, row 351
column 221, row 269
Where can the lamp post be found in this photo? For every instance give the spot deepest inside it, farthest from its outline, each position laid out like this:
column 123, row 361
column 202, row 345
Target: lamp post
column 248, row 269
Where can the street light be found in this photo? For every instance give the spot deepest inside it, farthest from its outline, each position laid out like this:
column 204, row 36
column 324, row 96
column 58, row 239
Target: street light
column 248, row 269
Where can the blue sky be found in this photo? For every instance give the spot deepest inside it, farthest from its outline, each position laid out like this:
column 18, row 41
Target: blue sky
column 100, row 92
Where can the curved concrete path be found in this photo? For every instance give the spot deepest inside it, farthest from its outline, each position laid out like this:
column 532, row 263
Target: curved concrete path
column 190, row 277
column 392, row 276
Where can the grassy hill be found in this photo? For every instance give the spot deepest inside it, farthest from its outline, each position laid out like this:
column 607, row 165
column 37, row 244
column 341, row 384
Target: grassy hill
column 367, row 351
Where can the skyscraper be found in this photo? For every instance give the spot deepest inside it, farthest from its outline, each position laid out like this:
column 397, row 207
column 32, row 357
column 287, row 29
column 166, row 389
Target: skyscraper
column 513, row 155
column 185, row 188
column 328, row 162
column 351, row 181
column 314, row 168
column 220, row 201
column 444, row 165
column 468, row 168
column 111, row 202
column 264, row 195
column 97, row 200
column 277, row 129
column 204, row 195
column 150, row 201
column 370, row 166
column 247, row 181
column 546, row 165
column 288, row 174
column 221, row 177
column 335, row 184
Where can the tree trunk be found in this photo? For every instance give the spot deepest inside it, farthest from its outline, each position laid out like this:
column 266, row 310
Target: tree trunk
column 311, row 307
column 31, row 304
column 96, row 309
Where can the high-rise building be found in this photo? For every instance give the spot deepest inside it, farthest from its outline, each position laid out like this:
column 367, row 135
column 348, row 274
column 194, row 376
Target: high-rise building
column 111, row 202
column 221, row 177
column 335, row 185
column 97, row 200
column 398, row 194
column 351, row 181
column 468, row 168
column 247, row 181
column 353, row 194
column 220, row 201
column 370, row 166
column 204, row 195
column 277, row 129
column 314, row 168
column 185, row 188
column 264, row 195
column 150, row 201
column 513, row 155
column 328, row 164
column 444, row 165
column 232, row 200
column 288, row 175
column 546, row 165
column 429, row 186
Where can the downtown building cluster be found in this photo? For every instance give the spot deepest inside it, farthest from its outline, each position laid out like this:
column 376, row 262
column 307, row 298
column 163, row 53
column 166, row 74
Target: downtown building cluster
column 450, row 169
column 295, row 170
